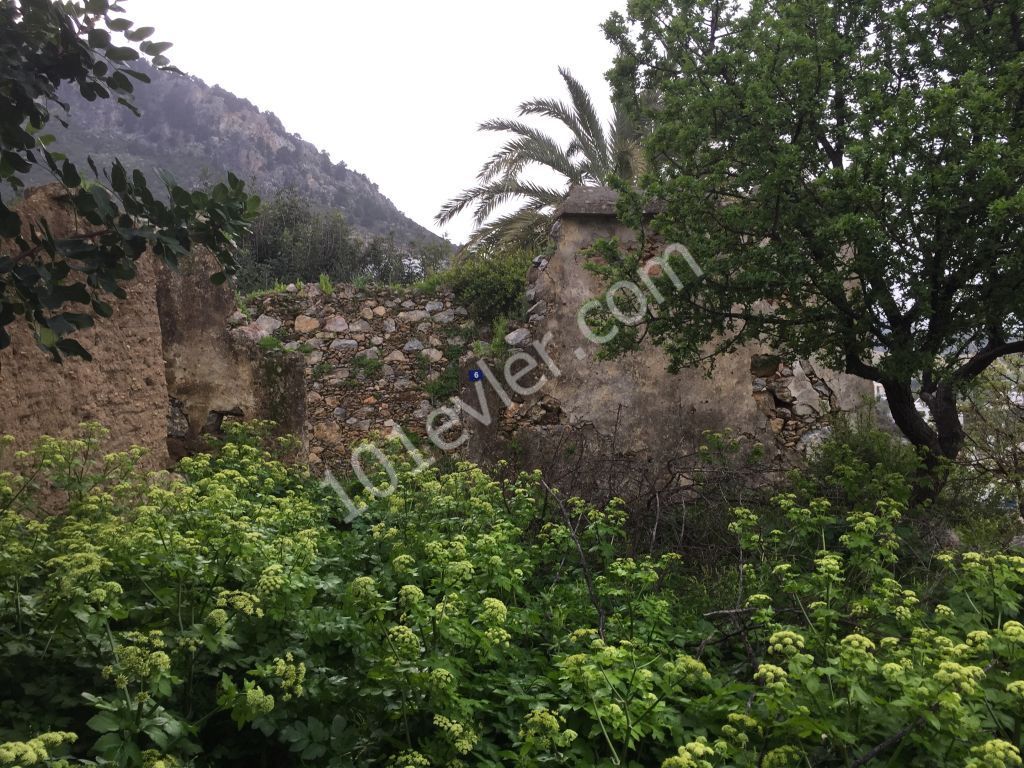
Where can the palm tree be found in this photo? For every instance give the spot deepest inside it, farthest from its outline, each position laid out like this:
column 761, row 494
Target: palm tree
column 591, row 156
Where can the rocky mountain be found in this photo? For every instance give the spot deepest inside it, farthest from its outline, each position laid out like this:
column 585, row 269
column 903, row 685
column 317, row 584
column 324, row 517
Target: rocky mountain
column 199, row 132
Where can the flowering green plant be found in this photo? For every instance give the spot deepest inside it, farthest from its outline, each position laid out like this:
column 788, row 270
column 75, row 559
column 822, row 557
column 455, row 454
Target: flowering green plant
column 227, row 615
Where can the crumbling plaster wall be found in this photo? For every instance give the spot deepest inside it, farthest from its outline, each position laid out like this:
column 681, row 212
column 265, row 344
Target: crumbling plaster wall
column 165, row 369
column 212, row 374
column 629, row 417
column 123, row 386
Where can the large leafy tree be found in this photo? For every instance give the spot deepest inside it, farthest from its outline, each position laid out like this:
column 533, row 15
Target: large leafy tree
column 994, row 423
column 848, row 174
column 593, row 153
column 55, row 284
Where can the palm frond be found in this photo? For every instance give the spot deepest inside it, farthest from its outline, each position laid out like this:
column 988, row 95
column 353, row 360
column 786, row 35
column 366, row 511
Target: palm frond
column 525, row 228
column 530, row 147
column 591, row 155
column 557, row 110
column 590, row 123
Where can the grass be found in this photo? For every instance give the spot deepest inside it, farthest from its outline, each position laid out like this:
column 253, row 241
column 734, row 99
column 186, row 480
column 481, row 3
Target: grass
column 246, row 299
column 326, row 287
column 446, row 385
column 497, row 349
column 321, row 369
column 270, row 342
column 430, row 284
column 369, row 366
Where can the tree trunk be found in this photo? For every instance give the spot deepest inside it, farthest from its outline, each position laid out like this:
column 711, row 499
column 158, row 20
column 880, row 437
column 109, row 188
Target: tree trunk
column 938, row 444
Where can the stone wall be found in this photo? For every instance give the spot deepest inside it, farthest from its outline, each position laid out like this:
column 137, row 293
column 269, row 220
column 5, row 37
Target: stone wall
column 340, row 366
column 626, row 426
column 375, row 358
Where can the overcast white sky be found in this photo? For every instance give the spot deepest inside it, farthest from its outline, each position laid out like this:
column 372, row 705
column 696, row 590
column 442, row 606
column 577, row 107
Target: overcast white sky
column 395, row 89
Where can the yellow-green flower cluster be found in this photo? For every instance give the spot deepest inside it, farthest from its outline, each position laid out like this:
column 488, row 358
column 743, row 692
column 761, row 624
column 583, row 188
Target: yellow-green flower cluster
column 856, row 650
column 409, row 759
column 243, row 602
column 35, row 751
column 771, row 677
column 151, row 758
column 404, row 641
column 995, row 754
column 271, row 579
column 441, row 680
column 409, row 596
column 694, row 754
column 736, row 732
column 542, row 731
column 217, row 619
column 690, row 672
column 830, row 566
column 459, row 735
column 959, row 676
column 786, row 643
column 141, row 659
column 783, row 757
column 460, row 570
column 252, row 703
column 363, row 590
column 403, row 564
column 1013, row 632
column 493, row 615
column 290, row 675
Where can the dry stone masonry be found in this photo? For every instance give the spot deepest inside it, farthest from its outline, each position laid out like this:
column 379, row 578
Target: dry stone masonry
column 375, row 358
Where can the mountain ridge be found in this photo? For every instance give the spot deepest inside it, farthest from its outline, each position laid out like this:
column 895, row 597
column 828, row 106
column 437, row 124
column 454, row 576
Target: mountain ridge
column 199, row 132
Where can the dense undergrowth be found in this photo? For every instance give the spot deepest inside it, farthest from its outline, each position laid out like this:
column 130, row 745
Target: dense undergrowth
column 227, row 616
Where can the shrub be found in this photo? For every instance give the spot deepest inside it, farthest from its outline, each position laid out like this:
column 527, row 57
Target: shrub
column 496, row 349
column 227, row 616
column 860, row 461
column 490, row 286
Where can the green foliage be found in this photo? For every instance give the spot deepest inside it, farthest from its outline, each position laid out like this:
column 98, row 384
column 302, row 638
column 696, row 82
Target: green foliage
column 860, row 462
column 994, row 422
column 367, row 366
column 294, row 239
column 270, row 343
column 857, row 168
column 57, row 285
column 490, row 285
column 224, row 616
column 321, row 369
column 496, row 349
column 447, row 384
